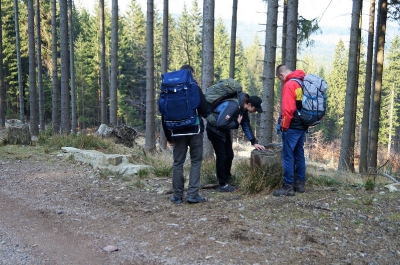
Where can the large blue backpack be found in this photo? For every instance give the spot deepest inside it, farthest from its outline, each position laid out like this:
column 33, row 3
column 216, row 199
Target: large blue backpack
column 179, row 100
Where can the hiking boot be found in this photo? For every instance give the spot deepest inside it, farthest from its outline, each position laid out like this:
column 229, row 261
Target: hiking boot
column 286, row 190
column 196, row 199
column 299, row 186
column 228, row 188
column 176, row 200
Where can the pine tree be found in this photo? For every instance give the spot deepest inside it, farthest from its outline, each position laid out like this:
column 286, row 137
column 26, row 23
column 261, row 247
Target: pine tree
column 333, row 122
column 132, row 54
column 221, row 51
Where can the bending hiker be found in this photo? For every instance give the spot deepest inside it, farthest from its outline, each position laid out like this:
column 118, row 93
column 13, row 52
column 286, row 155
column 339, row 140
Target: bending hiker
column 231, row 114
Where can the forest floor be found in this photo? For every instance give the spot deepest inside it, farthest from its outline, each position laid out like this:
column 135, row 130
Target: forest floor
column 54, row 210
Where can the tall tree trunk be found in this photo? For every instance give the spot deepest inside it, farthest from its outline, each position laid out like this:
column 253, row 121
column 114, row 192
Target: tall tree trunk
column 291, row 34
column 72, row 68
column 378, row 84
column 267, row 117
column 55, row 115
column 367, row 92
column 284, row 30
column 20, row 87
column 233, row 40
column 374, row 63
column 164, row 61
column 34, row 127
column 207, row 75
column 346, row 160
column 390, row 121
column 103, row 92
column 2, row 88
column 39, row 64
column 114, row 65
column 150, row 144
column 65, row 91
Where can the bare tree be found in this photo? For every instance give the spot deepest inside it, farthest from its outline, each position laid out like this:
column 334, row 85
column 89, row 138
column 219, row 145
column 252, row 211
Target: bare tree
column 367, row 92
column 373, row 146
column 267, row 117
column 65, row 91
column 291, row 34
column 114, row 65
column 150, row 110
column 20, row 88
column 39, row 64
column 2, row 88
column 233, row 40
column 103, row 92
column 164, row 61
column 346, row 160
column 34, row 127
column 54, row 73
column 284, row 29
column 207, row 75
column 72, row 67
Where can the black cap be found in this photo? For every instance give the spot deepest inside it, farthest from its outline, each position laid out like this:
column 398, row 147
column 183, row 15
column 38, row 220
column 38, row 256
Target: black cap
column 256, row 102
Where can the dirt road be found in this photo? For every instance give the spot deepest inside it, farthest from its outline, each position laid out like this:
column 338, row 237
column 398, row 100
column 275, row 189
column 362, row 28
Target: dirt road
column 57, row 211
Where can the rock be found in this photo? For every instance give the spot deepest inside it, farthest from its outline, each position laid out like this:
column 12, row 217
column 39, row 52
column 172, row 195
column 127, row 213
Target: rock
column 122, row 134
column 110, row 248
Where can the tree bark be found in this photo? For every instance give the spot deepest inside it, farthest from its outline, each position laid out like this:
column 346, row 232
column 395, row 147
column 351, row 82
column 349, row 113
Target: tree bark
column 233, row 40
column 378, row 84
column 150, row 145
column 65, row 91
column 33, row 115
column 164, row 61
column 39, row 64
column 346, row 160
column 291, row 34
column 267, row 117
column 55, row 115
column 20, row 88
column 74, row 122
column 114, row 65
column 103, row 93
column 367, row 92
column 207, row 76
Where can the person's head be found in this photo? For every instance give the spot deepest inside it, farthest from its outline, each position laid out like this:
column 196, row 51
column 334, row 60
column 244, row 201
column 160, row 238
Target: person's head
column 282, row 71
column 253, row 104
column 187, row 67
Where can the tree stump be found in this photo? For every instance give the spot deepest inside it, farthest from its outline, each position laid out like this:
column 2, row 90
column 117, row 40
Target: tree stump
column 269, row 160
column 19, row 134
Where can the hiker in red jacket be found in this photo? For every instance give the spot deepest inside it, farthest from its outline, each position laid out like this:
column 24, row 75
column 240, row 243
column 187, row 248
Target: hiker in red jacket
column 293, row 132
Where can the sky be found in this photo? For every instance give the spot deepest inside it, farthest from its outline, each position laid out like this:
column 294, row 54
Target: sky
column 330, row 13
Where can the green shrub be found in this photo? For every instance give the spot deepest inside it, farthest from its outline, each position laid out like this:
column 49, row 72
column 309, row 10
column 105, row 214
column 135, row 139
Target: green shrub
column 208, row 172
column 369, row 184
column 162, row 171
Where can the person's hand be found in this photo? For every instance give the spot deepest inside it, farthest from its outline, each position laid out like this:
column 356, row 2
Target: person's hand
column 239, row 119
column 170, row 143
column 259, row 147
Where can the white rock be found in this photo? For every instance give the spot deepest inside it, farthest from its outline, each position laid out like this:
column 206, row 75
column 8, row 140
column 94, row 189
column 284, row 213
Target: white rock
column 110, row 248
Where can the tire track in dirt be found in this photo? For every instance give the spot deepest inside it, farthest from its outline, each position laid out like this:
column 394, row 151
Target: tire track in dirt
column 49, row 240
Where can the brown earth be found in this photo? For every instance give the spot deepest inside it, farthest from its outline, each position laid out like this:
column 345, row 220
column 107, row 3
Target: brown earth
column 54, row 210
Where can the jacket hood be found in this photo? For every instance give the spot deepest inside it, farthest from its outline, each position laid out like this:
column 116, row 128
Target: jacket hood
column 296, row 74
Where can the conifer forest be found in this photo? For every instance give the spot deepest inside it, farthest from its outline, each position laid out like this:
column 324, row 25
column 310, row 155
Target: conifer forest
column 64, row 69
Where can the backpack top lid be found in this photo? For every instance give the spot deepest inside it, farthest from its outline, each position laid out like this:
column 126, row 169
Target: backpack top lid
column 223, row 89
column 175, row 78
